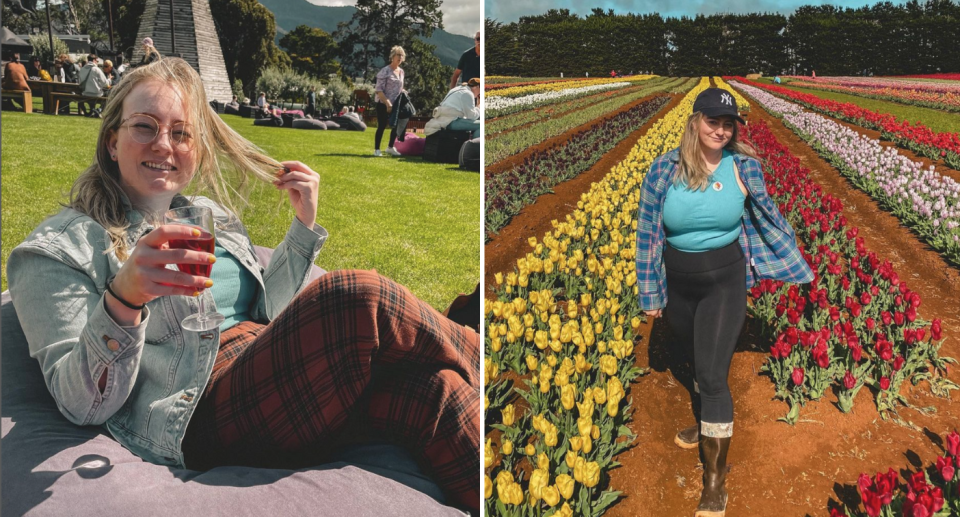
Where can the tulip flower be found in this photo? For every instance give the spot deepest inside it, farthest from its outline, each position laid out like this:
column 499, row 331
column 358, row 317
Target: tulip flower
column 591, row 474
column 565, row 485
column 953, row 444
column 567, row 396
column 506, row 448
column 487, row 487
column 550, row 495
column 797, row 376
column 538, row 479
column 508, row 415
column 550, row 437
column 608, row 365
column 946, row 468
column 529, row 450
column 488, row 454
column 849, row 381
column 565, row 511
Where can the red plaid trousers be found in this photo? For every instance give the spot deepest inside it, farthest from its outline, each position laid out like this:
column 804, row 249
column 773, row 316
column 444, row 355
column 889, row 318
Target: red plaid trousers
column 353, row 346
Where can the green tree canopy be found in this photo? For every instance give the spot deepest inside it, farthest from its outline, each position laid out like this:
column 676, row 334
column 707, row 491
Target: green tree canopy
column 312, row 51
column 246, row 30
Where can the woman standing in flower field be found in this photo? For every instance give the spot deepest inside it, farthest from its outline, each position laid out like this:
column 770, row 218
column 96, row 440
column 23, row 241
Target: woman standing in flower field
column 293, row 362
column 706, row 231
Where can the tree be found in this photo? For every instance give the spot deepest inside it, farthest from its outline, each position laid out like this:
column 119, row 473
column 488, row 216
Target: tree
column 246, row 30
column 425, row 77
column 379, row 25
column 312, row 51
column 41, row 46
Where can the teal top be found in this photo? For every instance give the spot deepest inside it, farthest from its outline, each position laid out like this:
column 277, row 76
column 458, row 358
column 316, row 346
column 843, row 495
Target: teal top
column 233, row 288
column 697, row 221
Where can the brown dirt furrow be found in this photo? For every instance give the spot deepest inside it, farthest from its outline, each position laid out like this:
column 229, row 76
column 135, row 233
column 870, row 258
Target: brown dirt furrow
column 779, row 469
column 503, row 249
column 517, row 159
column 547, row 110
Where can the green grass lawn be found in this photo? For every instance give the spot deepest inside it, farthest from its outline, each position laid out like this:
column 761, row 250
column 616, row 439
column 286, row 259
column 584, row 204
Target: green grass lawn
column 415, row 222
column 940, row 121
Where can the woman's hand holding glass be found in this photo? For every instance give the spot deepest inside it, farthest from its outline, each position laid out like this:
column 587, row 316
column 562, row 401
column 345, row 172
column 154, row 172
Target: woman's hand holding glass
column 145, row 277
column 302, row 185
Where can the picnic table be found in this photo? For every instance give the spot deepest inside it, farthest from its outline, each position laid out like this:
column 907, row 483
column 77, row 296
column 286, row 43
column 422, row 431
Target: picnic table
column 46, row 89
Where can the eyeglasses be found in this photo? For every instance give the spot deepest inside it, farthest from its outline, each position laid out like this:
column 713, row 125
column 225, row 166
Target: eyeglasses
column 144, row 129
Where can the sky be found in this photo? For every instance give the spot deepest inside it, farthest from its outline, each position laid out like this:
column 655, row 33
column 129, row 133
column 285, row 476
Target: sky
column 463, row 17
column 506, row 11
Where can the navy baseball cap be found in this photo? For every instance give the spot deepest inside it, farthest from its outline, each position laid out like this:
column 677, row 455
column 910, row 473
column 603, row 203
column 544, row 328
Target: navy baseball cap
column 717, row 102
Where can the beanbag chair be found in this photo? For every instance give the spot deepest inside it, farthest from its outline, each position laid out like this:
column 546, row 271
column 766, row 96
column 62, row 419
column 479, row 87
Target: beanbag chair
column 289, row 117
column 53, row 467
column 232, row 109
column 470, row 155
column 269, row 121
column 412, row 145
column 309, row 123
column 350, row 123
column 331, row 124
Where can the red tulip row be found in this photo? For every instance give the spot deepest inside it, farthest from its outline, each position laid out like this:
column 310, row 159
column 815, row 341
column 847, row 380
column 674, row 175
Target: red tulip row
column 916, row 137
column 856, row 324
column 944, row 77
column 929, row 492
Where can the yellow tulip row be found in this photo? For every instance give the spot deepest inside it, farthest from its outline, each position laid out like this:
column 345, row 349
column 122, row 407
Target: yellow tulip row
column 577, row 348
column 518, row 91
column 742, row 103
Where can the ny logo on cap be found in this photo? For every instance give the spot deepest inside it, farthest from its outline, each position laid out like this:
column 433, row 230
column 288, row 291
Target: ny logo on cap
column 726, row 99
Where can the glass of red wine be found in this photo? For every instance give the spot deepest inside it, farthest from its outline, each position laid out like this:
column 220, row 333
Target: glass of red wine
column 201, row 218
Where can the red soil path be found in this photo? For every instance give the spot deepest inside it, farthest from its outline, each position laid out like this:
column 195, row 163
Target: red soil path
column 777, row 469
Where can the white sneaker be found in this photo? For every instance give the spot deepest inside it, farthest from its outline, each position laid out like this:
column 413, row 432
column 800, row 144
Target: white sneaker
column 392, row 151
column 377, row 153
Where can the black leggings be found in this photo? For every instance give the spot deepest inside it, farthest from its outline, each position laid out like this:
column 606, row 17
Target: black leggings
column 706, row 308
column 383, row 120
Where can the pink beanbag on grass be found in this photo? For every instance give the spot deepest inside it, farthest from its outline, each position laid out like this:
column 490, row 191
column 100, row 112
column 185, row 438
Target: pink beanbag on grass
column 412, row 145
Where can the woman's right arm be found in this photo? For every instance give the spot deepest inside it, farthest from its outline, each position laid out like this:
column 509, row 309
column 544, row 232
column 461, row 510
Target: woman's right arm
column 76, row 330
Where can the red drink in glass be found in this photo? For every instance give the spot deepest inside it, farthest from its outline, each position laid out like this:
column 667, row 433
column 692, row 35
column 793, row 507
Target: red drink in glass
column 204, row 243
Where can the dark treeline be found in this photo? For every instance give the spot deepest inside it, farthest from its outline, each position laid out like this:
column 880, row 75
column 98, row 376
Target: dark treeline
column 883, row 39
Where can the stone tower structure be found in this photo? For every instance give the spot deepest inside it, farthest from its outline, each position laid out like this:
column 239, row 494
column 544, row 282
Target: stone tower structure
column 196, row 39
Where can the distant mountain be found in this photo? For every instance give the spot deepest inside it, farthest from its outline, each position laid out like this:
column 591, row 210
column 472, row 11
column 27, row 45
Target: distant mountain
column 292, row 13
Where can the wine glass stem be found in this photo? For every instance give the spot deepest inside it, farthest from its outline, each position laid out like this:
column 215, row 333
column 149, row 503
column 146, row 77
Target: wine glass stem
column 202, row 316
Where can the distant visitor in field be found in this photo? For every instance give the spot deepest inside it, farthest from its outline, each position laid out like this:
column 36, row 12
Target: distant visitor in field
column 706, row 231
column 458, row 111
column 469, row 65
column 109, row 289
column 389, row 85
column 150, row 53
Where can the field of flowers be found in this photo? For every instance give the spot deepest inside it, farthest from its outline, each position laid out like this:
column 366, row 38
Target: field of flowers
column 939, row 77
column 942, row 96
column 924, row 200
column 561, row 334
column 526, row 88
column 916, row 137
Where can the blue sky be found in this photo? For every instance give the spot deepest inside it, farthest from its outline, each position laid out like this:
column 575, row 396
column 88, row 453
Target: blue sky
column 506, row 11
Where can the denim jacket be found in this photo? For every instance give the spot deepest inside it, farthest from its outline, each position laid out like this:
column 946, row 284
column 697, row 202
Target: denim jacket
column 156, row 370
column 768, row 241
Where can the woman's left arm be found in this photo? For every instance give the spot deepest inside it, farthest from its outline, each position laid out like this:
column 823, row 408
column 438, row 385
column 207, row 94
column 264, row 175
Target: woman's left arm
column 289, row 268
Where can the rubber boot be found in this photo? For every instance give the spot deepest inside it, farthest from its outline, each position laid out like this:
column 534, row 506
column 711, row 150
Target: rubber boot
column 713, row 499
column 688, row 438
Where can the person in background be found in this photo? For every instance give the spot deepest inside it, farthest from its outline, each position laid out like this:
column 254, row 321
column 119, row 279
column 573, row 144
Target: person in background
column 33, row 71
column 262, row 103
column 110, row 73
column 353, row 114
column 93, row 83
column 311, row 102
column 389, row 85
column 14, row 78
column 58, row 73
column 458, row 111
column 70, row 69
column 150, row 53
column 469, row 65
column 706, row 231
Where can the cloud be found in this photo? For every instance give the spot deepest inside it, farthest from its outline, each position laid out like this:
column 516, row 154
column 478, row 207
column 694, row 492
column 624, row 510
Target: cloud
column 507, row 11
column 459, row 16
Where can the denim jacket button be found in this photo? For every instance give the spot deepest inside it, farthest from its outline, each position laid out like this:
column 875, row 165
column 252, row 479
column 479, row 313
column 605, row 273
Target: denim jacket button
column 113, row 344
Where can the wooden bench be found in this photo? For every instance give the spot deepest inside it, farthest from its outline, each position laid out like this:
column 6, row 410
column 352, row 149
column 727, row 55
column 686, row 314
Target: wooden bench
column 56, row 98
column 25, row 98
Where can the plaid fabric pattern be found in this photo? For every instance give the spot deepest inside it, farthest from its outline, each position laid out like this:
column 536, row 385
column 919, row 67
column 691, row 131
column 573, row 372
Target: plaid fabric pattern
column 768, row 241
column 352, row 347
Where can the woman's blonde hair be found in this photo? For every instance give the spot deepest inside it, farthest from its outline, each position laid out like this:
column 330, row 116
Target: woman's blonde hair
column 693, row 171
column 398, row 50
column 97, row 192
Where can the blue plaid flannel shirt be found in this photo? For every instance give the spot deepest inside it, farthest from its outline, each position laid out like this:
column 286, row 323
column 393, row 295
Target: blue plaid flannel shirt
column 769, row 243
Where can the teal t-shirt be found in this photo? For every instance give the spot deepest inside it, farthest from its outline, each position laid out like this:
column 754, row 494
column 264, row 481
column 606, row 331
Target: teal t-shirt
column 697, row 221
column 233, row 289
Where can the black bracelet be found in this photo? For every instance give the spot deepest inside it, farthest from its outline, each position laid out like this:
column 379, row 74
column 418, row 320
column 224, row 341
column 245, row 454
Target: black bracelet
column 121, row 300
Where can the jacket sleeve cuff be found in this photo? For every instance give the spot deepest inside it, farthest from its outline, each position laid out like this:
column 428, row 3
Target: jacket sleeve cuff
column 107, row 339
column 307, row 242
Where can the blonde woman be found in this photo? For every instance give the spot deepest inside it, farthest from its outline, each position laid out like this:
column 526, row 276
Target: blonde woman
column 150, row 53
column 706, row 230
column 274, row 385
column 389, row 86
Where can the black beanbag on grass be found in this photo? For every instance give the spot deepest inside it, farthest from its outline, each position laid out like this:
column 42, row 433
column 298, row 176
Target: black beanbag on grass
column 350, row 123
column 308, row 123
column 470, row 155
column 269, row 121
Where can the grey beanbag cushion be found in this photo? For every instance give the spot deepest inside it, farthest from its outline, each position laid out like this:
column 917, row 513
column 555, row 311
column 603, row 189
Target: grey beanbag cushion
column 470, row 155
column 350, row 123
column 53, row 467
column 308, row 123
column 268, row 121
column 331, row 124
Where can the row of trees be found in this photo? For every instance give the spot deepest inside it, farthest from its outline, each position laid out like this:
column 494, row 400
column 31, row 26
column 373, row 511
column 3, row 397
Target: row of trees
column 882, row 39
column 247, row 31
